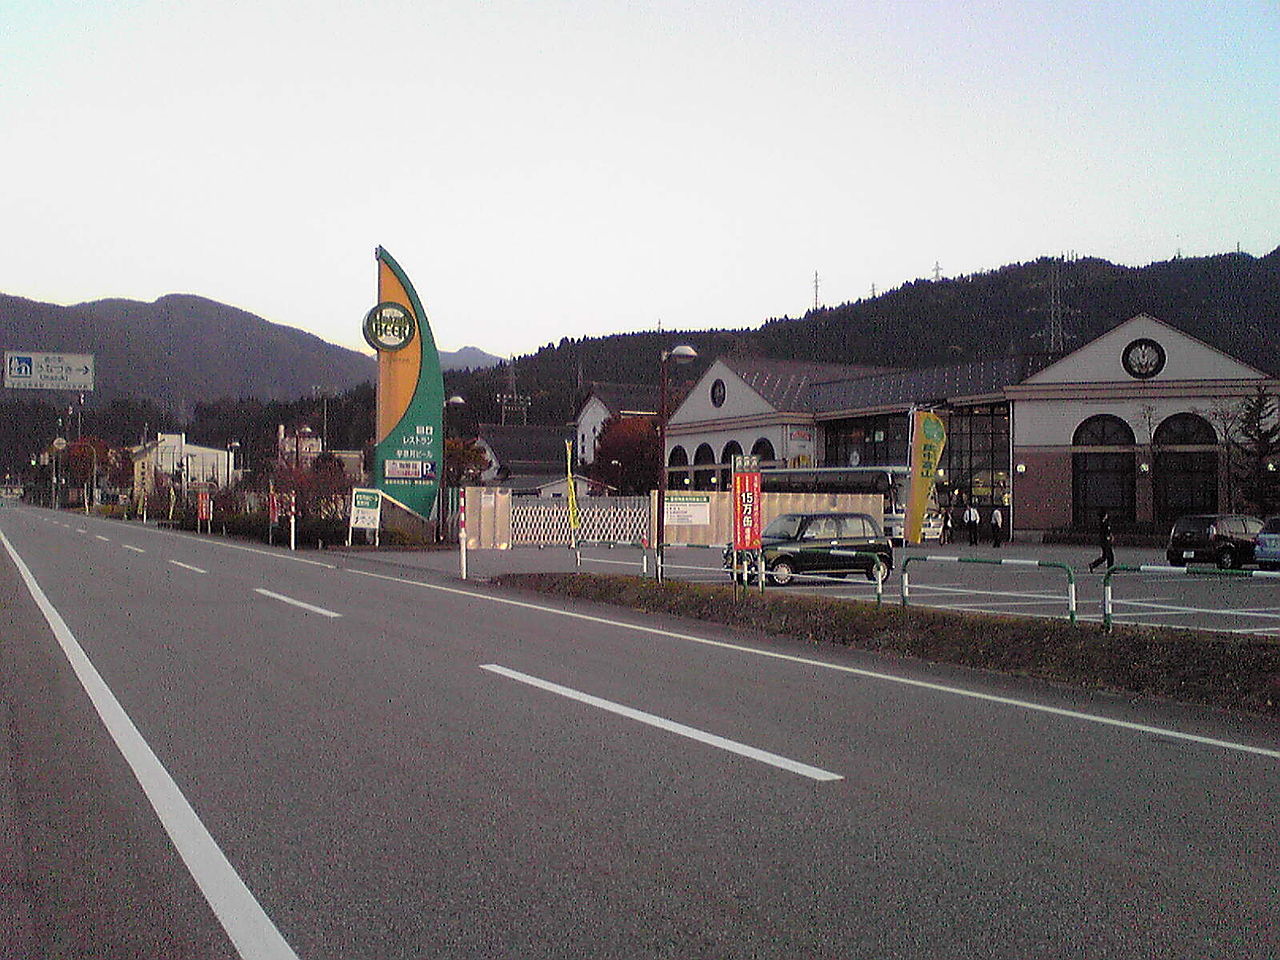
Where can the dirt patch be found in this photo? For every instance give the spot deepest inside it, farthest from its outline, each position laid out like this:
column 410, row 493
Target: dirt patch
column 1230, row 671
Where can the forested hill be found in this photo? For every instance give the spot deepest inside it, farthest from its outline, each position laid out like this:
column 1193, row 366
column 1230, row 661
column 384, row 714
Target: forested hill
column 1231, row 301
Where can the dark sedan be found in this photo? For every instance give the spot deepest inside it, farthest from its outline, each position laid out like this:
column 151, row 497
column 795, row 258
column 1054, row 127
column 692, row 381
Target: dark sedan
column 831, row 544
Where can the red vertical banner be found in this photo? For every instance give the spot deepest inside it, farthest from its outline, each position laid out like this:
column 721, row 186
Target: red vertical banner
column 746, row 510
column 273, row 508
column 204, row 505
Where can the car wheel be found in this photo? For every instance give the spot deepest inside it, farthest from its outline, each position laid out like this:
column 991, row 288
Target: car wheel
column 878, row 571
column 1226, row 559
column 782, row 573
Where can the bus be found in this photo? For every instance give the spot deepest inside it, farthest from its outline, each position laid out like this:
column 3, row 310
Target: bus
column 891, row 482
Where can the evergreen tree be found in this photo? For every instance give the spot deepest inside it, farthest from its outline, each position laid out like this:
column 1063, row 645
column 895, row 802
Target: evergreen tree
column 1255, row 442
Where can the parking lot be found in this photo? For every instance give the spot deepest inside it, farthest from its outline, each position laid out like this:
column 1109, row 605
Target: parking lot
column 1201, row 602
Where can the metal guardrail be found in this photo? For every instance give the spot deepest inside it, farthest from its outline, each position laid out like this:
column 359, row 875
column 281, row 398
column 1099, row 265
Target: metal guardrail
column 1005, row 562
column 1190, row 570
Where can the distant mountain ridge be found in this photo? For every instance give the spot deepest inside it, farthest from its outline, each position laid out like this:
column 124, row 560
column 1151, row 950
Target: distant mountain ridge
column 183, row 349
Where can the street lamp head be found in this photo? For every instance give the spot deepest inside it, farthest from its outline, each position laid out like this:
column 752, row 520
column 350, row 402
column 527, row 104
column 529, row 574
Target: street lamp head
column 681, row 354
column 456, row 401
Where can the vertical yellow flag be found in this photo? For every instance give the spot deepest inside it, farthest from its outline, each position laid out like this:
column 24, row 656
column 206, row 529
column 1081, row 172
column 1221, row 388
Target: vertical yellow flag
column 574, row 522
column 928, row 437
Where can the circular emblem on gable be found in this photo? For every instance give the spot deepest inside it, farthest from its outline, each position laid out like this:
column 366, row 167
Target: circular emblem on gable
column 717, row 394
column 1143, row 358
column 388, row 326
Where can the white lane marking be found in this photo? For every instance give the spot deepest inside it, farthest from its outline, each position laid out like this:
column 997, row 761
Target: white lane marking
column 671, row 726
column 993, row 604
column 102, row 538
column 251, row 931
column 269, row 553
column 842, row 668
column 1176, row 609
column 925, row 588
column 297, row 603
column 128, row 546
column 81, row 530
column 187, row 566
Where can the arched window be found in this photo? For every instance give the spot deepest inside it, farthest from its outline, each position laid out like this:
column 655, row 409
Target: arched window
column 763, row 449
column 704, row 454
column 1185, row 480
column 704, row 474
column 731, row 449
column 1103, row 481
column 1104, row 430
column 679, row 457
column 1184, row 428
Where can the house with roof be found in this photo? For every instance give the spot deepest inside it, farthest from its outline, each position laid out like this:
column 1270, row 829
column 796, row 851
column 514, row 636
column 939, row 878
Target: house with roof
column 528, row 460
column 1132, row 422
column 606, row 401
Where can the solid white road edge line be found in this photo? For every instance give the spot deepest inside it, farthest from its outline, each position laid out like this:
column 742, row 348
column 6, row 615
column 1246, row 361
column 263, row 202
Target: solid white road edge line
column 187, row 566
column 251, row 931
column 854, row 671
column 297, row 603
column 671, row 726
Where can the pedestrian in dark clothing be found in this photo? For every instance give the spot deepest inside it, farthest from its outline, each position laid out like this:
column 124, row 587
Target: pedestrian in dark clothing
column 1105, row 540
column 997, row 527
column 945, row 536
column 971, row 523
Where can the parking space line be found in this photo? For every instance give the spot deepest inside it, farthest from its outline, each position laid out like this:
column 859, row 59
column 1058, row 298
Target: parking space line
column 671, row 726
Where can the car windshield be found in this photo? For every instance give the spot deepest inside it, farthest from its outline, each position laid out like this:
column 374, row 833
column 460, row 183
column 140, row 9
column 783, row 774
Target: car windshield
column 1272, row 525
column 784, row 527
column 1192, row 525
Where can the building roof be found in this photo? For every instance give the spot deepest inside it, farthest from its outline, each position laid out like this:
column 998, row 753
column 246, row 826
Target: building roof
column 526, row 449
column 901, row 388
column 787, row 384
column 625, row 398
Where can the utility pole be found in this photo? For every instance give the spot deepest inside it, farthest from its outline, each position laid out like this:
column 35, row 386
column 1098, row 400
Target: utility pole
column 816, row 303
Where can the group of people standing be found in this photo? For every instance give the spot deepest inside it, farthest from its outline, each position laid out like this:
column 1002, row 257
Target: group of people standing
column 967, row 518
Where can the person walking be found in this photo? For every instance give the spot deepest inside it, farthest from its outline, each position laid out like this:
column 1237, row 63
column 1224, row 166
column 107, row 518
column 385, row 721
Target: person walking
column 945, row 536
column 997, row 527
column 1106, row 539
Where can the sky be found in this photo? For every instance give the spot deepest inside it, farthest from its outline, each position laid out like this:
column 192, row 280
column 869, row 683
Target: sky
column 547, row 169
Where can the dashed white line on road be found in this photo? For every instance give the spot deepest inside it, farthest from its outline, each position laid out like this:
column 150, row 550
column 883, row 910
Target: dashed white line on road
column 129, row 546
column 187, row 566
column 102, row 538
column 297, row 603
column 671, row 726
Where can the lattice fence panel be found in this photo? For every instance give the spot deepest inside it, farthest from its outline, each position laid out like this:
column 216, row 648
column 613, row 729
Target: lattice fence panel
column 537, row 521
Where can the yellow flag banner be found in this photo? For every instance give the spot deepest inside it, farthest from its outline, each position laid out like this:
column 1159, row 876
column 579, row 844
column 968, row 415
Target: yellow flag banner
column 928, row 437
column 574, row 521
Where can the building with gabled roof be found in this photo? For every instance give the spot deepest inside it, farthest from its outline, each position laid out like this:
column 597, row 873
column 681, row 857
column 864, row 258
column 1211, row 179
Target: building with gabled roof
column 1132, row 422
column 606, row 401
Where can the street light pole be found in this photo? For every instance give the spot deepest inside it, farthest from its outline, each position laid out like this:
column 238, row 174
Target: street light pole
column 681, row 354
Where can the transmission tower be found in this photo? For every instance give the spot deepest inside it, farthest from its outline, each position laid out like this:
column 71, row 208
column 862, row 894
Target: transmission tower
column 816, row 303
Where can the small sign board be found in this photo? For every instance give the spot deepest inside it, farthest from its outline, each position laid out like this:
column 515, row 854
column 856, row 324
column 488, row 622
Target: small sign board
column 204, row 505
column 688, row 510
column 366, row 509
column 29, row 370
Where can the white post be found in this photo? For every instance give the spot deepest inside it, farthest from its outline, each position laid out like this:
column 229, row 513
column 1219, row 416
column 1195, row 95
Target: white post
column 293, row 521
column 462, row 531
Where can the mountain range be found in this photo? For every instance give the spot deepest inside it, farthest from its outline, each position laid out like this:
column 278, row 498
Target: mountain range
column 183, row 349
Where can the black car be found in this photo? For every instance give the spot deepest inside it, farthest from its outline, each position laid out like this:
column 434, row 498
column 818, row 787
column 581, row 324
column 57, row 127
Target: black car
column 1223, row 538
column 833, row 544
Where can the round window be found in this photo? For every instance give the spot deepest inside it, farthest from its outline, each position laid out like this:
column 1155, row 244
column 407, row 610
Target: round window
column 1143, row 358
column 717, row 394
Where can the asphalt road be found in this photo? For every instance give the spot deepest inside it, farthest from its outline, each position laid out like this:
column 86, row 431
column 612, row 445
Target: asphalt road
column 337, row 756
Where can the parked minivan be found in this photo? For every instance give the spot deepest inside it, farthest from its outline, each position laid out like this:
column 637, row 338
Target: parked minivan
column 1220, row 538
